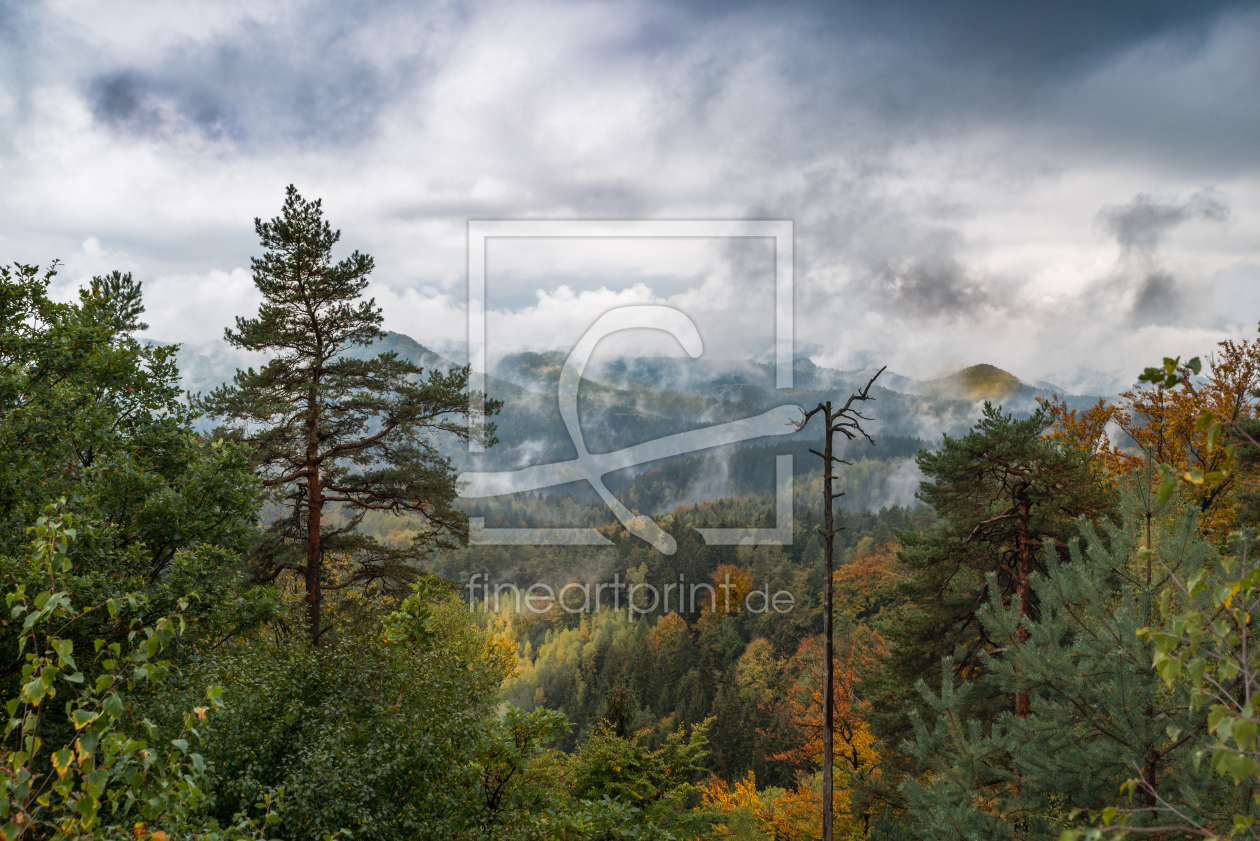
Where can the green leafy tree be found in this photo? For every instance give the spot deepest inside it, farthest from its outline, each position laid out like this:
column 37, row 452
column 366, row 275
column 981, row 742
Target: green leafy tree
column 106, row 771
column 328, row 429
column 661, row 781
column 89, row 412
column 378, row 732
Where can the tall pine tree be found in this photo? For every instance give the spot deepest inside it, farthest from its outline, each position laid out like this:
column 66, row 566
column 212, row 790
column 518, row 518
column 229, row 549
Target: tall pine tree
column 328, row 429
column 1002, row 493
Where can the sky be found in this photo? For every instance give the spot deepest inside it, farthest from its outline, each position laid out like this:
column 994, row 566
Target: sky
column 1068, row 190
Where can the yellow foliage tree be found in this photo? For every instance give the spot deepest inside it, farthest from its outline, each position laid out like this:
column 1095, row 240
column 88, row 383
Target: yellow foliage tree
column 1165, row 423
column 782, row 815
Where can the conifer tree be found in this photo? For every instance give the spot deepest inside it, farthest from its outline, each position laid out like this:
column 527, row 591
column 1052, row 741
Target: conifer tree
column 1248, row 459
column 1001, row 494
column 1099, row 714
column 328, row 429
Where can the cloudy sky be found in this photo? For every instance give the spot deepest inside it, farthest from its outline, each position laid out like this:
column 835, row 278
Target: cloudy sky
column 1068, row 190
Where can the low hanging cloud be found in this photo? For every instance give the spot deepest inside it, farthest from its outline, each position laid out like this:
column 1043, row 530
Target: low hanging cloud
column 934, row 283
column 1144, row 222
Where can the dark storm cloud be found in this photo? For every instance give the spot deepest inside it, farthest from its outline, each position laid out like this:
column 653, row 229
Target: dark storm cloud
column 140, row 104
column 867, row 75
column 1039, row 38
column 1159, row 299
column 312, row 79
column 873, row 72
column 1140, row 227
column 931, row 281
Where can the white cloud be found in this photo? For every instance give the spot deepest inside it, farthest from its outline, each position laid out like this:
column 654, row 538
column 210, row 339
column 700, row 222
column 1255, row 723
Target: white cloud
column 195, row 308
column 946, row 213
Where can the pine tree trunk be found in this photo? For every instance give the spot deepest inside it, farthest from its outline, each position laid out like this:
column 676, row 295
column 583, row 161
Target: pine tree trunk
column 314, row 514
column 1023, row 587
column 314, row 507
column 828, row 664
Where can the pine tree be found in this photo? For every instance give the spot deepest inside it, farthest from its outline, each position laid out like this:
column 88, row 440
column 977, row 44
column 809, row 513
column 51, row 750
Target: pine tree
column 1001, row 494
column 327, row 429
column 1248, row 459
column 1098, row 716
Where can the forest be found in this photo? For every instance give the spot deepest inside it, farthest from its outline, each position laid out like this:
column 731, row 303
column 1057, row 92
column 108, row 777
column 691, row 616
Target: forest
column 256, row 611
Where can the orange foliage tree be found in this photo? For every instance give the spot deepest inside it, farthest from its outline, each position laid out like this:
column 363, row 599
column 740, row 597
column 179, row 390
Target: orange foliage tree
column 785, row 815
column 867, row 582
column 731, row 585
column 1087, row 430
column 855, row 756
column 1166, row 423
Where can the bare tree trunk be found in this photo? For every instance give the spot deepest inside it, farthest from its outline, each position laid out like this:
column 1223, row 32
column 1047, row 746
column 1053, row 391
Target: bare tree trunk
column 314, row 514
column 844, row 421
column 828, row 641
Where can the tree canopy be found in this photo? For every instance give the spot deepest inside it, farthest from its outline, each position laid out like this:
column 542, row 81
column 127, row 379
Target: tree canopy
column 326, row 428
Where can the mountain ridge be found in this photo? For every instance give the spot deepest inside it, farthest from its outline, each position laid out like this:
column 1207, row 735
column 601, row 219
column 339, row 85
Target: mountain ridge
column 630, row 401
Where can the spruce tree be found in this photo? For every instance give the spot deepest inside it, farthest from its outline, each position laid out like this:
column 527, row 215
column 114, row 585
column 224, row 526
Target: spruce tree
column 327, row 429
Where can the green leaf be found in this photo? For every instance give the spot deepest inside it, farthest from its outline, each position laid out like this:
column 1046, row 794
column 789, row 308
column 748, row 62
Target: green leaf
column 1166, row 488
column 33, row 692
column 82, row 718
column 61, row 761
column 1214, row 434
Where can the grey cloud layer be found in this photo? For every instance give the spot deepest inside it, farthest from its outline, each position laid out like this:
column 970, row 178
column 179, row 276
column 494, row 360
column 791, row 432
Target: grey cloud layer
column 1051, row 187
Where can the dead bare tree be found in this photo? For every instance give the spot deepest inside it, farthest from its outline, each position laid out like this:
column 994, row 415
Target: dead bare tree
column 845, row 421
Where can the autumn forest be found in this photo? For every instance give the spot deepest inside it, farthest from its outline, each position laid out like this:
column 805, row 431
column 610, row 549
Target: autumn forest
column 261, row 610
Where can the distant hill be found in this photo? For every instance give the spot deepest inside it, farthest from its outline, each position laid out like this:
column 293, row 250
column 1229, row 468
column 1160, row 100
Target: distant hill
column 980, row 382
column 406, row 348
